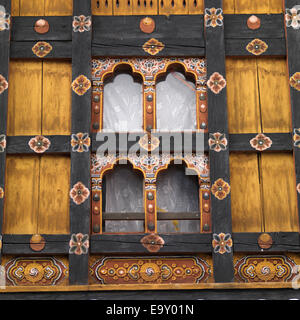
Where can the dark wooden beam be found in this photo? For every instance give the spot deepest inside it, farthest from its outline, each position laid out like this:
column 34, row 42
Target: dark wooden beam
column 160, row 215
column 19, row 144
column 193, row 243
column 81, row 119
column 20, row 244
column 293, row 63
column 237, row 142
column 218, row 161
column 4, row 69
column 181, row 35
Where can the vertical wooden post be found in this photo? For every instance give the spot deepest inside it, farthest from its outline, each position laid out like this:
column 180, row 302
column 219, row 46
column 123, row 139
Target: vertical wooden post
column 219, row 159
column 292, row 31
column 80, row 141
column 5, row 8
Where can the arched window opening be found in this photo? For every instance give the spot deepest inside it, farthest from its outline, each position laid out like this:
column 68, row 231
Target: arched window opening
column 178, row 192
column 123, row 101
column 122, row 197
column 176, row 101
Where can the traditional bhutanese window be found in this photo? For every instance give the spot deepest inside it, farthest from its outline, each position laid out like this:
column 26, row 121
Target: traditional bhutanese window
column 145, row 96
column 122, row 104
column 178, row 192
column 176, row 102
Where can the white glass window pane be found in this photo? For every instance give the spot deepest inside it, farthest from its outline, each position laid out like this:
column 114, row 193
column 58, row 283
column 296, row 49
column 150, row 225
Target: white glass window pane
column 124, row 193
column 176, row 103
column 177, row 192
column 122, row 104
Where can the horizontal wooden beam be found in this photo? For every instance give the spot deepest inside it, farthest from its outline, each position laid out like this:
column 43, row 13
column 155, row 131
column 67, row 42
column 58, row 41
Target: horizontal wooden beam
column 237, row 142
column 20, row 244
column 181, row 35
column 20, row 144
column 192, row 243
column 160, row 215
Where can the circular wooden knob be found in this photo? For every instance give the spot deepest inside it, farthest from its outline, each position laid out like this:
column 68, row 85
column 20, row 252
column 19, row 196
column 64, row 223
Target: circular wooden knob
column 253, row 22
column 37, row 242
column 147, row 25
column 41, row 26
column 265, row 241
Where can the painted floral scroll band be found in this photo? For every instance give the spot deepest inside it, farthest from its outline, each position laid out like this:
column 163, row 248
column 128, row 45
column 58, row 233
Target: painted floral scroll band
column 292, row 17
column 222, row 243
column 213, row 17
column 79, row 244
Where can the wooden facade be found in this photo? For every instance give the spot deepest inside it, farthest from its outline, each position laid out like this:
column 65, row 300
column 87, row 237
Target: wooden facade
column 51, row 109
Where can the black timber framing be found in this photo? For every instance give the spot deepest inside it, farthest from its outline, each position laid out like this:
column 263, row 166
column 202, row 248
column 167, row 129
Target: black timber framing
column 218, row 161
column 182, row 35
column 80, row 162
column 4, row 69
column 237, row 142
column 293, row 62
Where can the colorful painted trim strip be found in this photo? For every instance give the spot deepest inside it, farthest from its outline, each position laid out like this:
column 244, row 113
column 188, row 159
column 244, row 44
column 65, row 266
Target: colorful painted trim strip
column 81, row 85
column 39, row 144
column 261, row 142
column 81, row 23
column 80, row 142
column 79, row 193
column 79, row 244
column 257, row 47
column 222, row 243
column 213, row 17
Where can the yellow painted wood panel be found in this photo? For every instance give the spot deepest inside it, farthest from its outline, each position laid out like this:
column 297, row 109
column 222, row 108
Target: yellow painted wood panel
column 54, row 195
column 246, row 207
column 144, row 7
column 21, row 194
column 122, row 7
column 32, row 7
column 276, row 6
column 274, row 95
column 24, row 98
column 242, row 96
column 168, row 7
column 56, row 115
column 251, row 6
column 15, row 7
column 229, row 6
column 102, row 7
column 58, row 7
column 196, row 6
column 279, row 192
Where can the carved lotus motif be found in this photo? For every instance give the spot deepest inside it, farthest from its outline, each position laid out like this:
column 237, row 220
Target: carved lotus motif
column 79, row 193
column 39, row 144
column 153, row 46
column 3, row 84
column 216, row 82
column 41, row 49
column 257, row 47
column 220, row 189
column 222, row 243
column 81, row 85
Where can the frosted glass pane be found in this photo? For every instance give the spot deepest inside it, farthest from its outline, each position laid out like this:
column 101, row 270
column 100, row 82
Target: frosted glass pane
column 176, row 103
column 123, row 106
column 177, row 192
column 124, row 193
